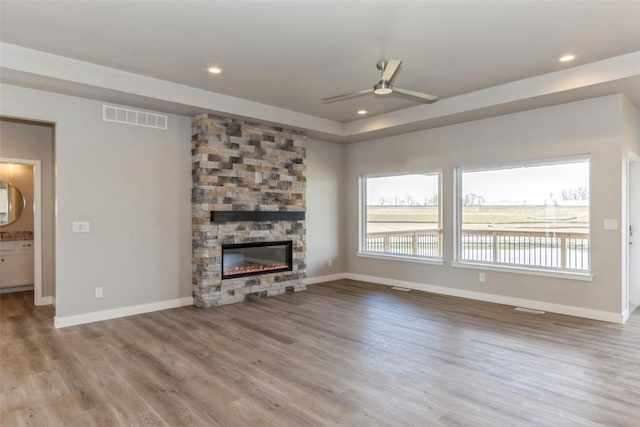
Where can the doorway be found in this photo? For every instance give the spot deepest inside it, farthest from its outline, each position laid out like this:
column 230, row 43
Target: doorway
column 29, row 144
column 21, row 248
column 634, row 233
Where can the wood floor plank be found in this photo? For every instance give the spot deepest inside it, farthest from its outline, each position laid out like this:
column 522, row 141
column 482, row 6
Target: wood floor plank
column 344, row 353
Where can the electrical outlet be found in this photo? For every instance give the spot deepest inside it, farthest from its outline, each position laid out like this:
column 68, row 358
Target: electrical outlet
column 610, row 224
column 80, row 226
column 330, row 262
column 482, row 277
column 99, row 292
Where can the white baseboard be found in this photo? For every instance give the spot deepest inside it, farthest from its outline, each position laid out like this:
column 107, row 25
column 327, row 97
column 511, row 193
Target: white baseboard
column 46, row 301
column 96, row 316
column 322, row 279
column 625, row 316
column 79, row 319
column 20, row 288
column 498, row 299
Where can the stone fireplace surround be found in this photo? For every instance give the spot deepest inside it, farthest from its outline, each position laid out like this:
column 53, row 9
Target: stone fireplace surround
column 238, row 167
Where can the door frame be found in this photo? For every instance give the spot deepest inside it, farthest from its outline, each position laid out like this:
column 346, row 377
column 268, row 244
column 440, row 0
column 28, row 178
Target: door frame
column 633, row 163
column 37, row 227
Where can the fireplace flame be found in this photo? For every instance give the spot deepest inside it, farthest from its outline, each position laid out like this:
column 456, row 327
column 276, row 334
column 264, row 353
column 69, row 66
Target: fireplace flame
column 253, row 268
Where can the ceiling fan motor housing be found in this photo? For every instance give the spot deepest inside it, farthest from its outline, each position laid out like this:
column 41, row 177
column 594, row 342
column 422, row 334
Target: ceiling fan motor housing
column 383, row 87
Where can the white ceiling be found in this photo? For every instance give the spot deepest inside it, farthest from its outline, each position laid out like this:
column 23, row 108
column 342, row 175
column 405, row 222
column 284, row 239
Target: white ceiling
column 290, row 54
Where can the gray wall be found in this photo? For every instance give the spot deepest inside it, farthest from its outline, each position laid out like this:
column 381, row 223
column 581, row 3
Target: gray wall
column 593, row 126
column 133, row 184
column 325, row 193
column 35, row 142
column 631, row 127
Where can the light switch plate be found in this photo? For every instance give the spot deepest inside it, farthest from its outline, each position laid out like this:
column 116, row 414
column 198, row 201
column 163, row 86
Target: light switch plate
column 80, row 226
column 610, row 224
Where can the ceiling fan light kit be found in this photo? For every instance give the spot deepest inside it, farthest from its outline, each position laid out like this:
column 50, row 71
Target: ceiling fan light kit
column 388, row 71
column 382, row 88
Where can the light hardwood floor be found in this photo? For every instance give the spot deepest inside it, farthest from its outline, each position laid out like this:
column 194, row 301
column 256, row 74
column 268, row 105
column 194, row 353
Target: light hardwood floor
column 343, row 353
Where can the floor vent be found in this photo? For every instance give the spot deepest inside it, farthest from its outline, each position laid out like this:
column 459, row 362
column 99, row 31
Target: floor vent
column 395, row 288
column 529, row 310
column 128, row 116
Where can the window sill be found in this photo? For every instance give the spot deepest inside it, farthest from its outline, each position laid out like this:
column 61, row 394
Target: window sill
column 587, row 277
column 407, row 258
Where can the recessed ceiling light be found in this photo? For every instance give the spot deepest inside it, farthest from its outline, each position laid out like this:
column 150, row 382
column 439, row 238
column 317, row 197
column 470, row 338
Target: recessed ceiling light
column 362, row 112
column 567, row 58
column 215, row 70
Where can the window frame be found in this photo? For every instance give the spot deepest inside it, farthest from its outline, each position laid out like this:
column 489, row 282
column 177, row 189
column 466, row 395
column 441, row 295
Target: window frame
column 362, row 219
column 517, row 268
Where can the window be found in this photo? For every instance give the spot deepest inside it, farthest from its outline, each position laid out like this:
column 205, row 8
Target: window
column 401, row 215
column 533, row 215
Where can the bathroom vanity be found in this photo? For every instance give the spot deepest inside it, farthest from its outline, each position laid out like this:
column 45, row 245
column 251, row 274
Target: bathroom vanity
column 16, row 263
column 16, row 246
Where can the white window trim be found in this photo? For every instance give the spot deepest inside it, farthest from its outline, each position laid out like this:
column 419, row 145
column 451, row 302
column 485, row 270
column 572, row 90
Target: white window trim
column 513, row 268
column 507, row 268
column 362, row 221
column 526, row 163
column 400, row 257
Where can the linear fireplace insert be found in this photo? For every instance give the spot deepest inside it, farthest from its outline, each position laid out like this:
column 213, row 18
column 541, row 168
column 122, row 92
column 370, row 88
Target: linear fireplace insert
column 248, row 259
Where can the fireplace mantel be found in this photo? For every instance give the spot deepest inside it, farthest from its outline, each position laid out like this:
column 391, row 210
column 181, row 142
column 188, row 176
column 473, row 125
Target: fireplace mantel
column 256, row 216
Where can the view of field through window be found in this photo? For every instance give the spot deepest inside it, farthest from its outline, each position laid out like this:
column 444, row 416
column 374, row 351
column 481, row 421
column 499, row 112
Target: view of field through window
column 527, row 215
column 403, row 215
column 534, row 216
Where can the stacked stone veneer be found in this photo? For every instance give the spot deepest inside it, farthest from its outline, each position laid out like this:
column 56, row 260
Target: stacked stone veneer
column 226, row 154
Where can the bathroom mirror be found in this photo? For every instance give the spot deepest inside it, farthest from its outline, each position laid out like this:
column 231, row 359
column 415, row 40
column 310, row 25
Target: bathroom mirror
column 11, row 203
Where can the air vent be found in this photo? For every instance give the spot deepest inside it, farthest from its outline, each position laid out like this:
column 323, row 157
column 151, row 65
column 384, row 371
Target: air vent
column 111, row 113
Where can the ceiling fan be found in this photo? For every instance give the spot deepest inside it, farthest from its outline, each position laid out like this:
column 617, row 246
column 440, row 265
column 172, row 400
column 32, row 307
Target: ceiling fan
column 388, row 70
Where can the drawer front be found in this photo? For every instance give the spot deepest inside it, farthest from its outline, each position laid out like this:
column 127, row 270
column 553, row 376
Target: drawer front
column 23, row 244
column 15, row 246
column 6, row 245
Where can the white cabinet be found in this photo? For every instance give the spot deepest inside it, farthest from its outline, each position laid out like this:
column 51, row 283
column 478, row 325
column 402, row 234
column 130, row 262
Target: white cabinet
column 16, row 263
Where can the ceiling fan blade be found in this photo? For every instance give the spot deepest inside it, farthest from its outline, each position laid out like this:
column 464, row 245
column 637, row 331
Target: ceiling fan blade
column 391, row 69
column 345, row 96
column 418, row 96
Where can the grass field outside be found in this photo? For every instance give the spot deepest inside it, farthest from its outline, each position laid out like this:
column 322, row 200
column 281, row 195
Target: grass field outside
column 541, row 236
column 560, row 219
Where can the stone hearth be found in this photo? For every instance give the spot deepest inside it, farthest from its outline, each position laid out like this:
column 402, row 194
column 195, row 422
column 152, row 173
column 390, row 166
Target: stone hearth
column 240, row 166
